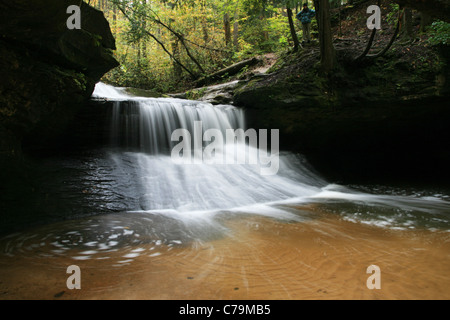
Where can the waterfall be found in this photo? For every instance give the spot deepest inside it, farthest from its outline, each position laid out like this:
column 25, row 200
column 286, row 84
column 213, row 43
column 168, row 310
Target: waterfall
column 147, row 124
column 143, row 127
column 142, row 136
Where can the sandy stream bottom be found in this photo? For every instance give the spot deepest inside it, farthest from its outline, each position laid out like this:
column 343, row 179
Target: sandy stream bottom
column 259, row 259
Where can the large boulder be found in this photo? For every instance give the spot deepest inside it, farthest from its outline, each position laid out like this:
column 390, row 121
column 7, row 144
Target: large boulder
column 47, row 71
column 41, row 26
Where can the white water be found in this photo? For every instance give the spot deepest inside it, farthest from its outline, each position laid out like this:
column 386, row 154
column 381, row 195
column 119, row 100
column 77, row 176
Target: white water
column 104, row 91
column 143, row 126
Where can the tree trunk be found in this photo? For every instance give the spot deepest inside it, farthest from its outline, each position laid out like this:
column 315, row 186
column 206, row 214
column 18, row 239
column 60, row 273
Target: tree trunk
column 327, row 51
column 138, row 48
column 263, row 17
column 316, row 6
column 205, row 31
column 407, row 24
column 227, row 27
column 236, row 32
column 228, row 71
column 114, row 20
column 177, row 71
column 144, row 41
column 292, row 28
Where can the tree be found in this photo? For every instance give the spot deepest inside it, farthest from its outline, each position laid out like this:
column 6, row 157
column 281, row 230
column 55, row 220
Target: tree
column 292, row 25
column 327, row 51
column 227, row 28
column 174, row 43
column 136, row 15
column 407, row 23
column 236, row 31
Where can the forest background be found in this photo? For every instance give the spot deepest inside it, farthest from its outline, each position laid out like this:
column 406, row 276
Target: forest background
column 167, row 45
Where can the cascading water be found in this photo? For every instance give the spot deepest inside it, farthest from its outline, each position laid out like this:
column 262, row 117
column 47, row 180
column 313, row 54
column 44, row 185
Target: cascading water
column 145, row 126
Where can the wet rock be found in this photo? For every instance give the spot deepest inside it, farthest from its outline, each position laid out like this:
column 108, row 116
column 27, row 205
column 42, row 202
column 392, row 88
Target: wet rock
column 218, row 94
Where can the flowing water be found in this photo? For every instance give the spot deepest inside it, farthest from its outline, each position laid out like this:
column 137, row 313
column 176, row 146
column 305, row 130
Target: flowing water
column 147, row 227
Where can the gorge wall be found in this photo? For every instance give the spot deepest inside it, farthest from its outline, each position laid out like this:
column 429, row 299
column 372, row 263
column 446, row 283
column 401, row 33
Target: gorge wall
column 47, row 71
column 385, row 120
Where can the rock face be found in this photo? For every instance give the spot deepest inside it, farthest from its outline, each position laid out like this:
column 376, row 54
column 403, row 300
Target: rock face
column 387, row 119
column 47, row 71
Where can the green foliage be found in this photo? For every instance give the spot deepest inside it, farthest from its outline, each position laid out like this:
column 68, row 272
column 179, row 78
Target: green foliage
column 164, row 45
column 392, row 16
column 439, row 33
column 335, row 3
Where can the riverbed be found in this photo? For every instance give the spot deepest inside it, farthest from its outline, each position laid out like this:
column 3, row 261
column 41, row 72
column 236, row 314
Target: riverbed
column 240, row 257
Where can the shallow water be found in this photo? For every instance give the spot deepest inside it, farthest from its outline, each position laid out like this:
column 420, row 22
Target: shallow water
column 242, row 257
column 315, row 246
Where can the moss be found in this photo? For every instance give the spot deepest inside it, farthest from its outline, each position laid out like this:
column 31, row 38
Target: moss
column 196, row 94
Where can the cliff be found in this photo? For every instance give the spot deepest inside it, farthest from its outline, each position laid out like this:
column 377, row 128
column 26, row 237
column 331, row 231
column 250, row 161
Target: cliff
column 47, row 71
column 387, row 119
